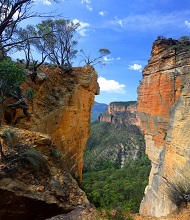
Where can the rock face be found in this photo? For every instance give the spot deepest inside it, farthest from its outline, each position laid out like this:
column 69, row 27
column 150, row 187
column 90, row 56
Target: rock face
column 57, row 128
column 121, row 114
column 28, row 193
column 163, row 105
column 62, row 108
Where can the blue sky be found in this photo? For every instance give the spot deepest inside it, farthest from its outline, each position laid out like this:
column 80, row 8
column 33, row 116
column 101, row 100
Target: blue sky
column 127, row 28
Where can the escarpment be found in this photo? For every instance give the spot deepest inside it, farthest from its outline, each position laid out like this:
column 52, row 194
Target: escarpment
column 121, row 114
column 163, row 105
column 115, row 138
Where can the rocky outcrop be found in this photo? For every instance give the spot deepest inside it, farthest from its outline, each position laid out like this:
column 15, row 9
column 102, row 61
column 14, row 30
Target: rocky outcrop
column 61, row 108
column 121, row 114
column 57, row 127
column 28, row 191
column 163, row 105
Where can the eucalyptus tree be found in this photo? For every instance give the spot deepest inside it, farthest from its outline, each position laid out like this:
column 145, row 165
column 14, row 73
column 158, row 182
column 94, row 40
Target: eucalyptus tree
column 11, row 14
column 27, row 36
column 59, row 40
column 99, row 59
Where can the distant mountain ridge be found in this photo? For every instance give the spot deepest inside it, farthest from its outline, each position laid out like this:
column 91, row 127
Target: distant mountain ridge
column 97, row 109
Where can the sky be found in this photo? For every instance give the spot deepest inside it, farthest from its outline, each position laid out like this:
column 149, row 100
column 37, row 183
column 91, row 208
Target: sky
column 128, row 29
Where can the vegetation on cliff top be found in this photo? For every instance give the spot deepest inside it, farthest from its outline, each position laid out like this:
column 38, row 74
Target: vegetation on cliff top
column 111, row 144
column 123, row 103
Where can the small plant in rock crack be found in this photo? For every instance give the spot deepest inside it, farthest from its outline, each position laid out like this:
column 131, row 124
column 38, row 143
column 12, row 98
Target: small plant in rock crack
column 36, row 162
column 179, row 192
column 8, row 135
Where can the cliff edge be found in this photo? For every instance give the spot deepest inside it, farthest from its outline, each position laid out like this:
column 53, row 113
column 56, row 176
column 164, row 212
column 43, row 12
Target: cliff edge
column 163, row 105
column 40, row 151
column 61, row 108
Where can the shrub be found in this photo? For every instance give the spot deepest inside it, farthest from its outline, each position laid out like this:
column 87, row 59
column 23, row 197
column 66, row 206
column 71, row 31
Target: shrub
column 25, row 155
column 11, row 77
column 8, row 135
column 179, row 189
column 179, row 192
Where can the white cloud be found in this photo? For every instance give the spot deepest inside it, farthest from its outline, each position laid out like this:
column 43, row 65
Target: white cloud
column 44, row 2
column 148, row 21
column 135, row 67
column 83, row 28
column 16, row 14
column 102, row 13
column 119, row 58
column 118, row 21
column 187, row 23
column 5, row 9
column 106, row 59
column 111, row 86
column 88, row 4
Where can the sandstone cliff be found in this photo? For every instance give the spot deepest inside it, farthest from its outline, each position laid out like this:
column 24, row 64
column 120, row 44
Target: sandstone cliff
column 163, row 105
column 121, row 114
column 57, row 127
column 62, row 108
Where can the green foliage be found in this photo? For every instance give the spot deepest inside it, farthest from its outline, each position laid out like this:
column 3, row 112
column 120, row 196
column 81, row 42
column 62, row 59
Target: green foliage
column 58, row 41
column 11, row 77
column 179, row 192
column 30, row 93
column 102, row 146
column 99, row 59
column 182, row 44
column 25, row 155
column 35, row 160
column 124, row 103
column 8, row 135
column 113, row 187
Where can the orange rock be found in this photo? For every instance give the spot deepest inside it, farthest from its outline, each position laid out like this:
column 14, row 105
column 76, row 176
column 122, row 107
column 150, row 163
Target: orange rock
column 163, row 105
column 61, row 108
column 40, row 188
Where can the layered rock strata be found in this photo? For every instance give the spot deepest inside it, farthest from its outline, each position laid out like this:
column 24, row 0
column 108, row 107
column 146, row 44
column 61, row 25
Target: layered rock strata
column 163, row 105
column 121, row 114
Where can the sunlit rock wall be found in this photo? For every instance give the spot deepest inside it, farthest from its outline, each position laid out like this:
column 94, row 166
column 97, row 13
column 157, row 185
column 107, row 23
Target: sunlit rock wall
column 163, row 105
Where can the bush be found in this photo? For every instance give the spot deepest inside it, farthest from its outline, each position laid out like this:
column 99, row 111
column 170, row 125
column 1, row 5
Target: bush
column 21, row 155
column 11, row 77
column 179, row 192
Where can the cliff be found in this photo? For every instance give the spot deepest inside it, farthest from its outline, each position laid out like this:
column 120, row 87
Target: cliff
column 61, row 108
column 121, row 114
column 163, row 105
column 43, row 149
